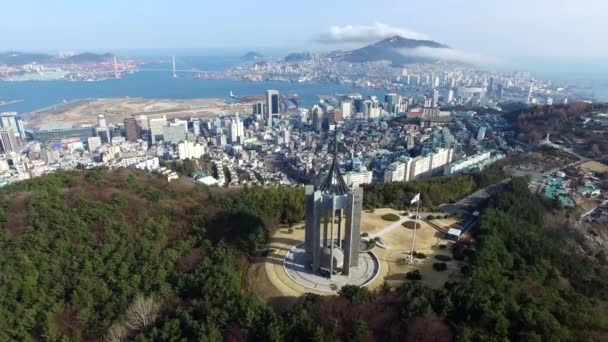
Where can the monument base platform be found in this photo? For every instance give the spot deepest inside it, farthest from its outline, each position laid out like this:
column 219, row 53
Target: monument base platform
column 295, row 265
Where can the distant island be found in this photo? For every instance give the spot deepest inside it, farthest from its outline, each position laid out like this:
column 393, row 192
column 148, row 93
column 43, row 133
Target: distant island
column 12, row 58
column 252, row 56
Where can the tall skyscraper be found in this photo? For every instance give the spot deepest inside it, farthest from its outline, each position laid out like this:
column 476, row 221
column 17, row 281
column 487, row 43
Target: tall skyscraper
column 132, row 130
column 11, row 119
column 450, row 95
column 481, row 134
column 393, row 103
column 374, row 107
column 346, row 106
column 317, row 116
column 258, row 108
column 102, row 130
column 499, row 91
column 435, row 98
column 286, row 136
column 8, row 142
column 530, row 92
column 101, row 119
column 157, row 126
column 272, row 106
column 358, row 104
column 196, row 127
column 237, row 132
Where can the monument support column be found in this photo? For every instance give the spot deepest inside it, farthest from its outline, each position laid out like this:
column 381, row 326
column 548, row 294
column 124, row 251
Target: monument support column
column 331, row 239
column 309, row 192
column 340, row 228
column 355, row 244
column 352, row 237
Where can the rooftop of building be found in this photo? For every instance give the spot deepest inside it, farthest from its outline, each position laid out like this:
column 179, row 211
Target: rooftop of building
column 55, row 126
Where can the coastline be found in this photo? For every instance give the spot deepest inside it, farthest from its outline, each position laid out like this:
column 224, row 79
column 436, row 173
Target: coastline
column 85, row 111
column 9, row 102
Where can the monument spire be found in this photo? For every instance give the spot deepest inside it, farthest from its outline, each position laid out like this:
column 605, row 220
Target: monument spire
column 334, row 182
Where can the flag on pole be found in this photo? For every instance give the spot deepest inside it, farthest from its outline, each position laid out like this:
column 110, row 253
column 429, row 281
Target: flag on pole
column 415, row 199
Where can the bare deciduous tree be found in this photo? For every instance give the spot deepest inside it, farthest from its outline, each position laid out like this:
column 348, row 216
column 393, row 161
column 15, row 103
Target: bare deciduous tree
column 142, row 312
column 116, row 333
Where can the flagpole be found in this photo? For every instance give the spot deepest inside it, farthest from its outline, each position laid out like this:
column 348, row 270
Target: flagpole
column 415, row 227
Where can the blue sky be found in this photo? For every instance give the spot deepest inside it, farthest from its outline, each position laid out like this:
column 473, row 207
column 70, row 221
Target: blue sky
column 558, row 28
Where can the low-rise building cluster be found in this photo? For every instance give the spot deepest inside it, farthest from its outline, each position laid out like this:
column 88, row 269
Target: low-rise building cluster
column 380, row 141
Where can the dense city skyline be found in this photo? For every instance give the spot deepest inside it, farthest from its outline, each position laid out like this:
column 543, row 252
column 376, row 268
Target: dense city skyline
column 476, row 28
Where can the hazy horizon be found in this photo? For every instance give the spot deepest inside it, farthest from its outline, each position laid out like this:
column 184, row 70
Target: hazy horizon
column 478, row 28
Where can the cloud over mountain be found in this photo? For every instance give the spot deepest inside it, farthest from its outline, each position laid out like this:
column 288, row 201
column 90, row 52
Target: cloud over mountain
column 448, row 55
column 366, row 33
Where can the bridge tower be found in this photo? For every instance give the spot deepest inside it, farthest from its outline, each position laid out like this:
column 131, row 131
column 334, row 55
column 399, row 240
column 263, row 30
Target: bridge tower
column 174, row 70
column 116, row 73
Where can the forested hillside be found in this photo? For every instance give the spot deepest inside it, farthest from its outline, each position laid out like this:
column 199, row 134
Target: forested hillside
column 100, row 255
column 562, row 121
column 434, row 191
column 80, row 251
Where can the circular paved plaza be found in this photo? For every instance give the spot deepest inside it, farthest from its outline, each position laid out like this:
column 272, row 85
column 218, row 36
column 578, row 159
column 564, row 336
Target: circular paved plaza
column 296, row 268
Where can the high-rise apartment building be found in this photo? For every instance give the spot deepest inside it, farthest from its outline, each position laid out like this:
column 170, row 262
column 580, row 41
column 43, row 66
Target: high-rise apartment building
column 237, row 131
column 157, row 126
column 11, row 119
column 8, row 141
column 272, row 106
column 132, row 130
column 427, row 165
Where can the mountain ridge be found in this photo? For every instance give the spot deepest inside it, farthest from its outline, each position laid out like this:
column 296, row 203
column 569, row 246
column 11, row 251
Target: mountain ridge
column 390, row 49
column 252, row 56
column 20, row 58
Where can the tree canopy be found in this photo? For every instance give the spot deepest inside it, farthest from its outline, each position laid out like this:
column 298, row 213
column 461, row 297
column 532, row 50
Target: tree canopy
column 121, row 255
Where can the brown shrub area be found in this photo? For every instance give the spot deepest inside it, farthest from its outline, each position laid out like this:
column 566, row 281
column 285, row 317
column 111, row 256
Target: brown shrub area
column 67, row 322
column 190, row 260
column 380, row 316
column 429, row 329
column 17, row 210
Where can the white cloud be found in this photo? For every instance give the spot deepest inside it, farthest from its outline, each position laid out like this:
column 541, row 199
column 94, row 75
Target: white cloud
column 449, row 55
column 366, row 33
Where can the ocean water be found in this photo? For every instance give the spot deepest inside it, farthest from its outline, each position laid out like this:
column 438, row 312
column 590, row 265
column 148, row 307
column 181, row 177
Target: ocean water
column 159, row 84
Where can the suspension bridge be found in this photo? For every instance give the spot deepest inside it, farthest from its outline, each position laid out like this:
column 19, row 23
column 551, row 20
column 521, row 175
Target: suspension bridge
column 173, row 69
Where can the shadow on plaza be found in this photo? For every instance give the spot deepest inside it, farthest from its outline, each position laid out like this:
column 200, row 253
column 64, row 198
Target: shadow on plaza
column 272, row 247
column 286, row 241
column 271, row 257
